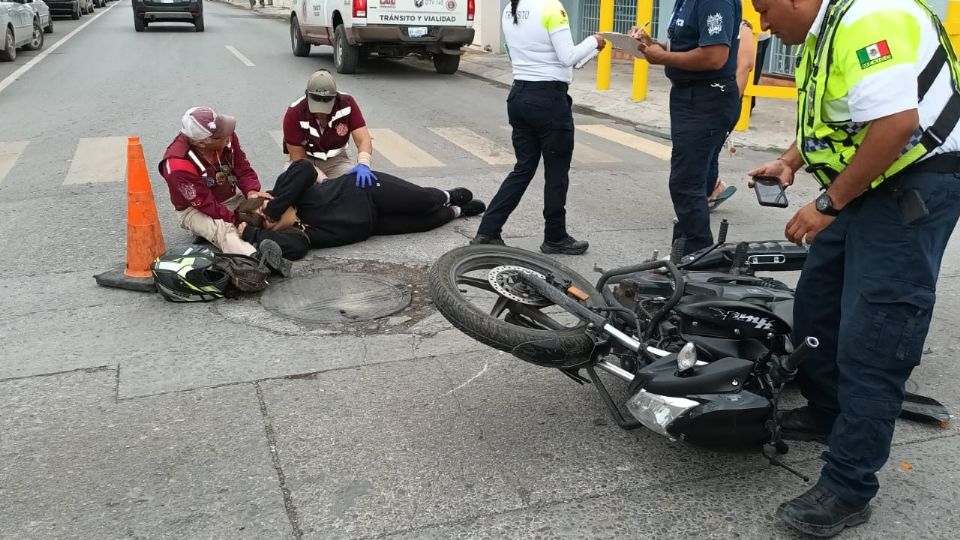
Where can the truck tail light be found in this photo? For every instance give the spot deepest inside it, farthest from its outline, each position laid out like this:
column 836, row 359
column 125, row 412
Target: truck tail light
column 360, row 8
column 471, row 8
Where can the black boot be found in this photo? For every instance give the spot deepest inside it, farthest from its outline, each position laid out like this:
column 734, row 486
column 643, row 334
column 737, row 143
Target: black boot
column 484, row 239
column 820, row 513
column 567, row 246
column 803, row 425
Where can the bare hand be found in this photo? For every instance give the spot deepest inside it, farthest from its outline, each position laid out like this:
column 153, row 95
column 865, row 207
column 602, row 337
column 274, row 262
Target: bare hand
column 601, row 43
column 777, row 168
column 654, row 52
column 242, row 227
column 261, row 194
column 641, row 35
column 806, row 224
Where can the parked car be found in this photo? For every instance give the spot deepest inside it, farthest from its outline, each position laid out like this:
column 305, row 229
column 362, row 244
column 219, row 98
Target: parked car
column 19, row 27
column 148, row 11
column 43, row 12
column 73, row 8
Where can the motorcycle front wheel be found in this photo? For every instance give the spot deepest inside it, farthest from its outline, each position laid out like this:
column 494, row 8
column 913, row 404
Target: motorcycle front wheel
column 477, row 289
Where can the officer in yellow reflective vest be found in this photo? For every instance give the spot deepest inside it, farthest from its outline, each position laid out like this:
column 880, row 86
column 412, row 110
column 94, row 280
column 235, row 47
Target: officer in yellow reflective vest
column 877, row 119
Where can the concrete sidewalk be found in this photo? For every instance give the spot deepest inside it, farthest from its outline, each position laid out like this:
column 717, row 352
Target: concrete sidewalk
column 771, row 125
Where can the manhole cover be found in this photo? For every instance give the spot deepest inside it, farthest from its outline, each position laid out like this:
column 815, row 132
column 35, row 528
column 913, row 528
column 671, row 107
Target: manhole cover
column 335, row 297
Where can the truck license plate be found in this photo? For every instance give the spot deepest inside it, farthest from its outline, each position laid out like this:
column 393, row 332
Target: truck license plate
column 417, row 31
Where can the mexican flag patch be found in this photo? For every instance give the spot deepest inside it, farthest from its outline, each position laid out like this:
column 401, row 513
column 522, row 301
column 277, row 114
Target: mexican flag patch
column 874, row 54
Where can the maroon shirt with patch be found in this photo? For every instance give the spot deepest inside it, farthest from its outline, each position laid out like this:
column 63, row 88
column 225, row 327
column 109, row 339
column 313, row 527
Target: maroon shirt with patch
column 301, row 127
column 192, row 180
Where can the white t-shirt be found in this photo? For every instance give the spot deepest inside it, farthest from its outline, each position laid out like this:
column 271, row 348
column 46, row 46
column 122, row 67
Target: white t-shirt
column 540, row 44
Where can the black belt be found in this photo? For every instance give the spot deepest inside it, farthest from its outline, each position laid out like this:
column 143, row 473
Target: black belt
column 948, row 162
column 685, row 83
column 558, row 85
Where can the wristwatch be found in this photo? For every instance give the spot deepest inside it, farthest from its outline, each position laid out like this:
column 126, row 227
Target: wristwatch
column 825, row 205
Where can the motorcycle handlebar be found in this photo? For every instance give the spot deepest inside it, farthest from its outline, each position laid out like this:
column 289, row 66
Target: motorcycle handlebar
column 785, row 368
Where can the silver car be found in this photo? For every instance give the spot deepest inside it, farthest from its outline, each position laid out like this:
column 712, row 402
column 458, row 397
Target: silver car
column 19, row 27
column 43, row 12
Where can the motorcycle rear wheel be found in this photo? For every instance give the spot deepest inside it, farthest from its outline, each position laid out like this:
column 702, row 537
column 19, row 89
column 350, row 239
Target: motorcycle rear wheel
column 544, row 335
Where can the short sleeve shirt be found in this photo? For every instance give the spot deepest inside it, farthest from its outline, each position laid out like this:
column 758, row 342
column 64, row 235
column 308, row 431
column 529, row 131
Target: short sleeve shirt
column 701, row 23
column 302, row 128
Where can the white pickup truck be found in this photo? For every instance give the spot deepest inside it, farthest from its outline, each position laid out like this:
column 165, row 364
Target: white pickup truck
column 392, row 28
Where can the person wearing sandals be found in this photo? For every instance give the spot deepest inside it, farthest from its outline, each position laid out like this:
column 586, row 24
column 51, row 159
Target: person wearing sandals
column 208, row 176
column 746, row 59
column 304, row 213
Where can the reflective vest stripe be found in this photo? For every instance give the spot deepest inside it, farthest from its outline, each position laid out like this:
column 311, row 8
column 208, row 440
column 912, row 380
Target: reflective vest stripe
column 326, row 155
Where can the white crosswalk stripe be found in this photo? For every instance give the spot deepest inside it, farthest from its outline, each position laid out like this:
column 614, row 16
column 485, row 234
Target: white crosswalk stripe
column 277, row 136
column 400, row 151
column 586, row 154
column 481, row 147
column 655, row 149
column 98, row 160
column 9, row 152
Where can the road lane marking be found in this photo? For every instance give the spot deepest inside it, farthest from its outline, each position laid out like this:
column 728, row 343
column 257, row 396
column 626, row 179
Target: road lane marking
column 246, row 61
column 36, row 59
column 9, row 153
column 98, row 160
column 657, row 150
column 399, row 151
column 277, row 137
column 481, row 147
column 584, row 153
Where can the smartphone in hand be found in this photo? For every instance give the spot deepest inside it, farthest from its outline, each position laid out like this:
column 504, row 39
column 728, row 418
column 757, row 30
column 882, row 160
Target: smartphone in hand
column 769, row 191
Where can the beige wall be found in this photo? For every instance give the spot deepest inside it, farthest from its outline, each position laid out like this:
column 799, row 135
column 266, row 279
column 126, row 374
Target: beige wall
column 486, row 23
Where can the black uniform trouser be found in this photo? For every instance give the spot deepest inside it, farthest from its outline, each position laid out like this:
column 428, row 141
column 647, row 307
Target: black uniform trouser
column 403, row 207
column 541, row 115
column 701, row 115
column 867, row 292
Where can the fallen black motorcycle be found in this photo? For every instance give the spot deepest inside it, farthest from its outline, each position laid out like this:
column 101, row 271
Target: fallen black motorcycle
column 702, row 341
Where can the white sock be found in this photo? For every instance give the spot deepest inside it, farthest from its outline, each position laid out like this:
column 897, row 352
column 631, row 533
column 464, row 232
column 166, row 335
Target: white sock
column 456, row 211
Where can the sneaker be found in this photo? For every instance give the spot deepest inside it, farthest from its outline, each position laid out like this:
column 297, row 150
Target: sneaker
column 820, row 513
column 459, row 196
column 567, row 246
column 472, row 208
column 484, row 239
column 271, row 256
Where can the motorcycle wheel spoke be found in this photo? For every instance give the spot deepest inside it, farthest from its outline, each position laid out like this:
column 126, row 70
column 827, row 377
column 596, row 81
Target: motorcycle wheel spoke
column 478, row 283
column 538, row 317
column 500, row 306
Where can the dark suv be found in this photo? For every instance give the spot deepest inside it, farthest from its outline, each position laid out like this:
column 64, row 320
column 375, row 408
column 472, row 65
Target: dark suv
column 148, row 11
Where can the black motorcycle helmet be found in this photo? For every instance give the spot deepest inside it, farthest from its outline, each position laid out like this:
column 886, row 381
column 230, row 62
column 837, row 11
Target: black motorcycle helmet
column 186, row 274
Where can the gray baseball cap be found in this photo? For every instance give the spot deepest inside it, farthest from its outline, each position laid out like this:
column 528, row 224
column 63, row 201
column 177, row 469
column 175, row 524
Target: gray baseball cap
column 321, row 91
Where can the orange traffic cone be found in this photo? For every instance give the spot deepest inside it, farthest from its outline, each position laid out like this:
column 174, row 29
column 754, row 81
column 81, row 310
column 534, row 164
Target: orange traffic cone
column 144, row 237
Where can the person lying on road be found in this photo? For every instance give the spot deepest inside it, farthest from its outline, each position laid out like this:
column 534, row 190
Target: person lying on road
column 337, row 212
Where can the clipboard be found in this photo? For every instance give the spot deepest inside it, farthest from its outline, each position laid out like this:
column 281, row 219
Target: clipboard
column 623, row 42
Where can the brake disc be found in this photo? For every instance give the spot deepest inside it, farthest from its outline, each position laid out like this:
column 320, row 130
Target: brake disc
column 506, row 281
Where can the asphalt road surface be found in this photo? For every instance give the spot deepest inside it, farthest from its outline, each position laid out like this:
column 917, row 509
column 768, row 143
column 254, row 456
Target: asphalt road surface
column 124, row 416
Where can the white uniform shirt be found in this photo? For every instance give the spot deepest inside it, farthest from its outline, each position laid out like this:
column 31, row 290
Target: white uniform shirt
column 540, row 45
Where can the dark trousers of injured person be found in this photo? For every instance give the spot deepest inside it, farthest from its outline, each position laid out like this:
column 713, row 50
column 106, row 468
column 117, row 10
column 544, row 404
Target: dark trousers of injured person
column 337, row 212
column 541, row 116
column 702, row 113
column 867, row 291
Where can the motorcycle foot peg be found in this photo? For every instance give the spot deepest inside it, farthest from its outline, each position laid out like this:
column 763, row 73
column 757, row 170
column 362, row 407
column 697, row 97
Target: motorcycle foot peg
column 676, row 253
column 722, row 236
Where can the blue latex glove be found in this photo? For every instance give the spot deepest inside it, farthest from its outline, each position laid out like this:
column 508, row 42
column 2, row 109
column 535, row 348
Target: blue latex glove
column 365, row 178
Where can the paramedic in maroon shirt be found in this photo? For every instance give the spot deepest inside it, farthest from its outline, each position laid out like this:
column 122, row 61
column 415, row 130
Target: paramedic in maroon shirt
column 208, row 176
column 318, row 126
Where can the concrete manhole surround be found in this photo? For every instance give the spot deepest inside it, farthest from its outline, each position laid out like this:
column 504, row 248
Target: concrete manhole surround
column 334, row 297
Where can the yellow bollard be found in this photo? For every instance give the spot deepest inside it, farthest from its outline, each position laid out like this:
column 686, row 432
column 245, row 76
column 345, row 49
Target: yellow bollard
column 952, row 24
column 606, row 56
column 641, row 68
column 751, row 16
